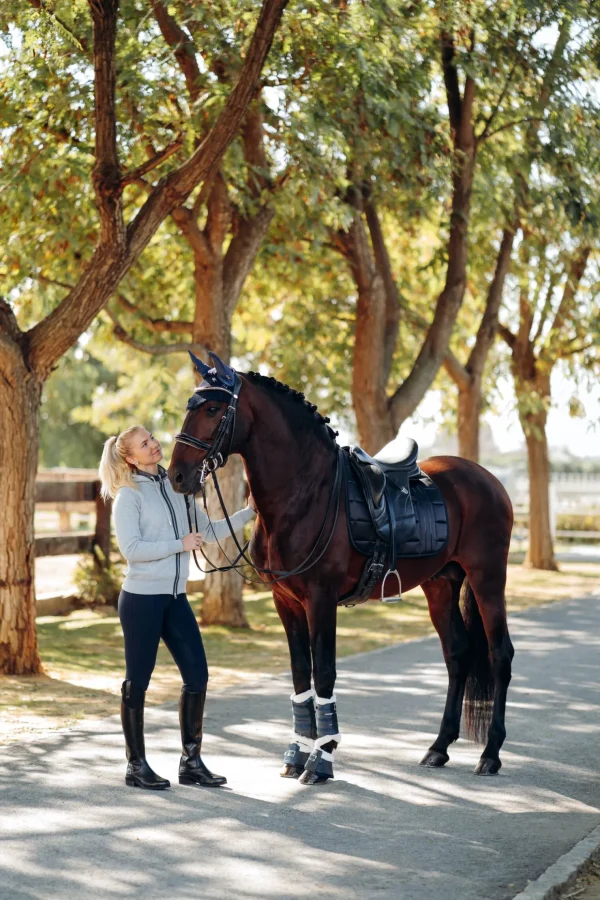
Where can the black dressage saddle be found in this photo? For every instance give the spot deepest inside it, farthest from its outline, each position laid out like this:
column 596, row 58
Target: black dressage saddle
column 393, row 509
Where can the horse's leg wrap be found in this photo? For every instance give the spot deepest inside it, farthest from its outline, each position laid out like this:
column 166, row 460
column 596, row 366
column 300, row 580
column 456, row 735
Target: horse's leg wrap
column 305, row 729
column 320, row 761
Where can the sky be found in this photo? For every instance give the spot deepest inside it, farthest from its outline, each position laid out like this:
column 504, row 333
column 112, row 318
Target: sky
column 577, row 436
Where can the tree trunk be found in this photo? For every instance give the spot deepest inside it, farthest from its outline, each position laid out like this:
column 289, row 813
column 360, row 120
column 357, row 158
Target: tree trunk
column 369, row 397
column 222, row 603
column 540, row 553
column 19, row 409
column 469, row 412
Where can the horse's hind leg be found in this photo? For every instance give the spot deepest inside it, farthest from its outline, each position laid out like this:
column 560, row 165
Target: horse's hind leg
column 485, row 606
column 443, row 599
column 293, row 617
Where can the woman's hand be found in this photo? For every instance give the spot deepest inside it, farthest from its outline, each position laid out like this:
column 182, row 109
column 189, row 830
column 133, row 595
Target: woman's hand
column 191, row 541
column 252, row 503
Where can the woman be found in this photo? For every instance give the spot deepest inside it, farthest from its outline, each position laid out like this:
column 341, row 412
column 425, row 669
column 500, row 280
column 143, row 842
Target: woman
column 153, row 535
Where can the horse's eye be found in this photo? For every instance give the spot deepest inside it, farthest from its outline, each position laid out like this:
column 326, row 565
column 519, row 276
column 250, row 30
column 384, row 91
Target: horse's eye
column 212, row 410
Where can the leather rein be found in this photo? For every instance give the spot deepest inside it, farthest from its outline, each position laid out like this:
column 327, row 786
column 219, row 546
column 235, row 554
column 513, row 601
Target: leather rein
column 216, row 458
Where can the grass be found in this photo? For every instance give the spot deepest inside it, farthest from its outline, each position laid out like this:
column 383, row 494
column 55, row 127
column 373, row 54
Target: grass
column 83, row 652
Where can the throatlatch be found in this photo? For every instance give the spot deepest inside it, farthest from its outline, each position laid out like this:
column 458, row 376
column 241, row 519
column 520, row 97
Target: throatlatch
column 319, row 765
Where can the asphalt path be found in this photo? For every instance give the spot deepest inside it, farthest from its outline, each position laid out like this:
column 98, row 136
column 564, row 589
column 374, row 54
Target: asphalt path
column 384, row 828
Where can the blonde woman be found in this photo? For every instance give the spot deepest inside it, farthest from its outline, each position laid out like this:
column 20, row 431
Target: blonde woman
column 153, row 535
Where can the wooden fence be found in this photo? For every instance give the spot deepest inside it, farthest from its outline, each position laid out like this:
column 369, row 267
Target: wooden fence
column 67, row 491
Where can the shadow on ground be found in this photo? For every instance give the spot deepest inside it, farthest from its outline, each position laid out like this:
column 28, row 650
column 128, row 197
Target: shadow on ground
column 384, row 828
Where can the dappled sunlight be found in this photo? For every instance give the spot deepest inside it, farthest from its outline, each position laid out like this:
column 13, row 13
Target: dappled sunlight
column 83, row 651
column 69, row 825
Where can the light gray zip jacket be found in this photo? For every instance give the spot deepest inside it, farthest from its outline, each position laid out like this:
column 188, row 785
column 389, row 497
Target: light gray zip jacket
column 149, row 524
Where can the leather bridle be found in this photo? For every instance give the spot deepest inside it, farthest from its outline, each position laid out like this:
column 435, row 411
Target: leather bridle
column 215, row 459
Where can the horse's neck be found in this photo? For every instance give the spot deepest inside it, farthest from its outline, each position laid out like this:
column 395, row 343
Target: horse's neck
column 287, row 473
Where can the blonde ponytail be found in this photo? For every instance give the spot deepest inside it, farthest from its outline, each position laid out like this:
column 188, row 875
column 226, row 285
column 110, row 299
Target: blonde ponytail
column 114, row 470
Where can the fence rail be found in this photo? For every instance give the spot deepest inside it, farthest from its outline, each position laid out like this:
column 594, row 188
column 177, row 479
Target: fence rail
column 67, row 491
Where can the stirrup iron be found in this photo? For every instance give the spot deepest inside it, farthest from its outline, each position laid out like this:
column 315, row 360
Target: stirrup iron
column 396, row 597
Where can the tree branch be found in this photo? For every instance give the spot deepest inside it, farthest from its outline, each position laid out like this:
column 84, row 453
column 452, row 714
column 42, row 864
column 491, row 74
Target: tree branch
column 153, row 349
column 187, row 223
column 456, row 370
column 240, row 255
column 484, row 132
column 489, row 321
column 546, row 308
column 111, row 260
column 563, row 354
column 451, row 80
column 183, row 48
column 254, row 151
column 565, row 309
column 507, row 335
column 156, row 325
column 392, row 297
column 175, row 189
column 8, row 321
column 134, row 174
column 451, row 362
column 506, row 125
column 218, row 216
column 106, row 174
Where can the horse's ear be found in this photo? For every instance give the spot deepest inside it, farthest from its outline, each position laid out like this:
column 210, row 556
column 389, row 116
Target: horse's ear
column 200, row 366
column 224, row 372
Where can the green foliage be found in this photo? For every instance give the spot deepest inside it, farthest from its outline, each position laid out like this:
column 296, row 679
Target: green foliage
column 98, row 580
column 352, row 94
column 65, row 438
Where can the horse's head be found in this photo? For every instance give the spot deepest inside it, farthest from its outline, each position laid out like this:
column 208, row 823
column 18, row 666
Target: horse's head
column 207, row 435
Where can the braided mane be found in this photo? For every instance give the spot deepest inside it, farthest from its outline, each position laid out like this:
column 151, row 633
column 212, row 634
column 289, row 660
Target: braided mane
column 297, row 396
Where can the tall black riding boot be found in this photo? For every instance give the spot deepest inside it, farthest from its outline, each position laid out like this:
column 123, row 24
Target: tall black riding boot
column 139, row 773
column 191, row 768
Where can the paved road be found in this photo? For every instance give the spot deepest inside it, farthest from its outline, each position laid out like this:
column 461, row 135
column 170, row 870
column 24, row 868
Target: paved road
column 384, row 828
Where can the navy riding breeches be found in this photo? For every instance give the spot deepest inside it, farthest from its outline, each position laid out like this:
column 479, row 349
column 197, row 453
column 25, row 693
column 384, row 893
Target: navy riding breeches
column 145, row 619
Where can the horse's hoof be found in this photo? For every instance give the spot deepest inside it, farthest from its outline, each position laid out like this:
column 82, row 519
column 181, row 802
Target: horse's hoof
column 312, row 778
column 487, row 766
column 291, row 771
column 434, row 759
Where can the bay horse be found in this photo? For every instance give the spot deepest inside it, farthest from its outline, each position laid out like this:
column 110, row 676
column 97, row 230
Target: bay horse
column 301, row 547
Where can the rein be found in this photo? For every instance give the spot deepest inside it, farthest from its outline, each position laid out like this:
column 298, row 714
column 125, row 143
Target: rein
column 216, row 459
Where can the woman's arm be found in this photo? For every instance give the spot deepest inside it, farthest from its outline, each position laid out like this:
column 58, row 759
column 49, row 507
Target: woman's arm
column 129, row 538
column 220, row 529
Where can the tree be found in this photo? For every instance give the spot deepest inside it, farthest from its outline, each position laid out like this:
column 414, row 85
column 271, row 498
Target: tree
column 549, row 330
column 222, row 228
column 28, row 356
column 551, row 69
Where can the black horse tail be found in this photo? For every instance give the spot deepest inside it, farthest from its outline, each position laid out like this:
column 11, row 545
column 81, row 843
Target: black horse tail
column 479, row 689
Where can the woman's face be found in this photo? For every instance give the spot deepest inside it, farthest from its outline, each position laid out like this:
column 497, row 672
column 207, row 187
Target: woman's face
column 144, row 449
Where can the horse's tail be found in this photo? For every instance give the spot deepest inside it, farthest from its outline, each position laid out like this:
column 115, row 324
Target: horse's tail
column 479, row 689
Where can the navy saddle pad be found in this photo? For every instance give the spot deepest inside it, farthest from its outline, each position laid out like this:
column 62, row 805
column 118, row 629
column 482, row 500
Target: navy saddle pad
column 421, row 520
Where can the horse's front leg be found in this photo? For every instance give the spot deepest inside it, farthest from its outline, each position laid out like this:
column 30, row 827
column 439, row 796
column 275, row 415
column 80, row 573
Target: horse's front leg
column 321, row 612
column 293, row 617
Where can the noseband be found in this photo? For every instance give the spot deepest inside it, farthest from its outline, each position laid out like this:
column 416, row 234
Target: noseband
column 216, row 456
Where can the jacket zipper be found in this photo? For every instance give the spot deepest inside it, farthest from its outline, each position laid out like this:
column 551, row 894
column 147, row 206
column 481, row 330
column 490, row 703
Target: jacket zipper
column 174, row 521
